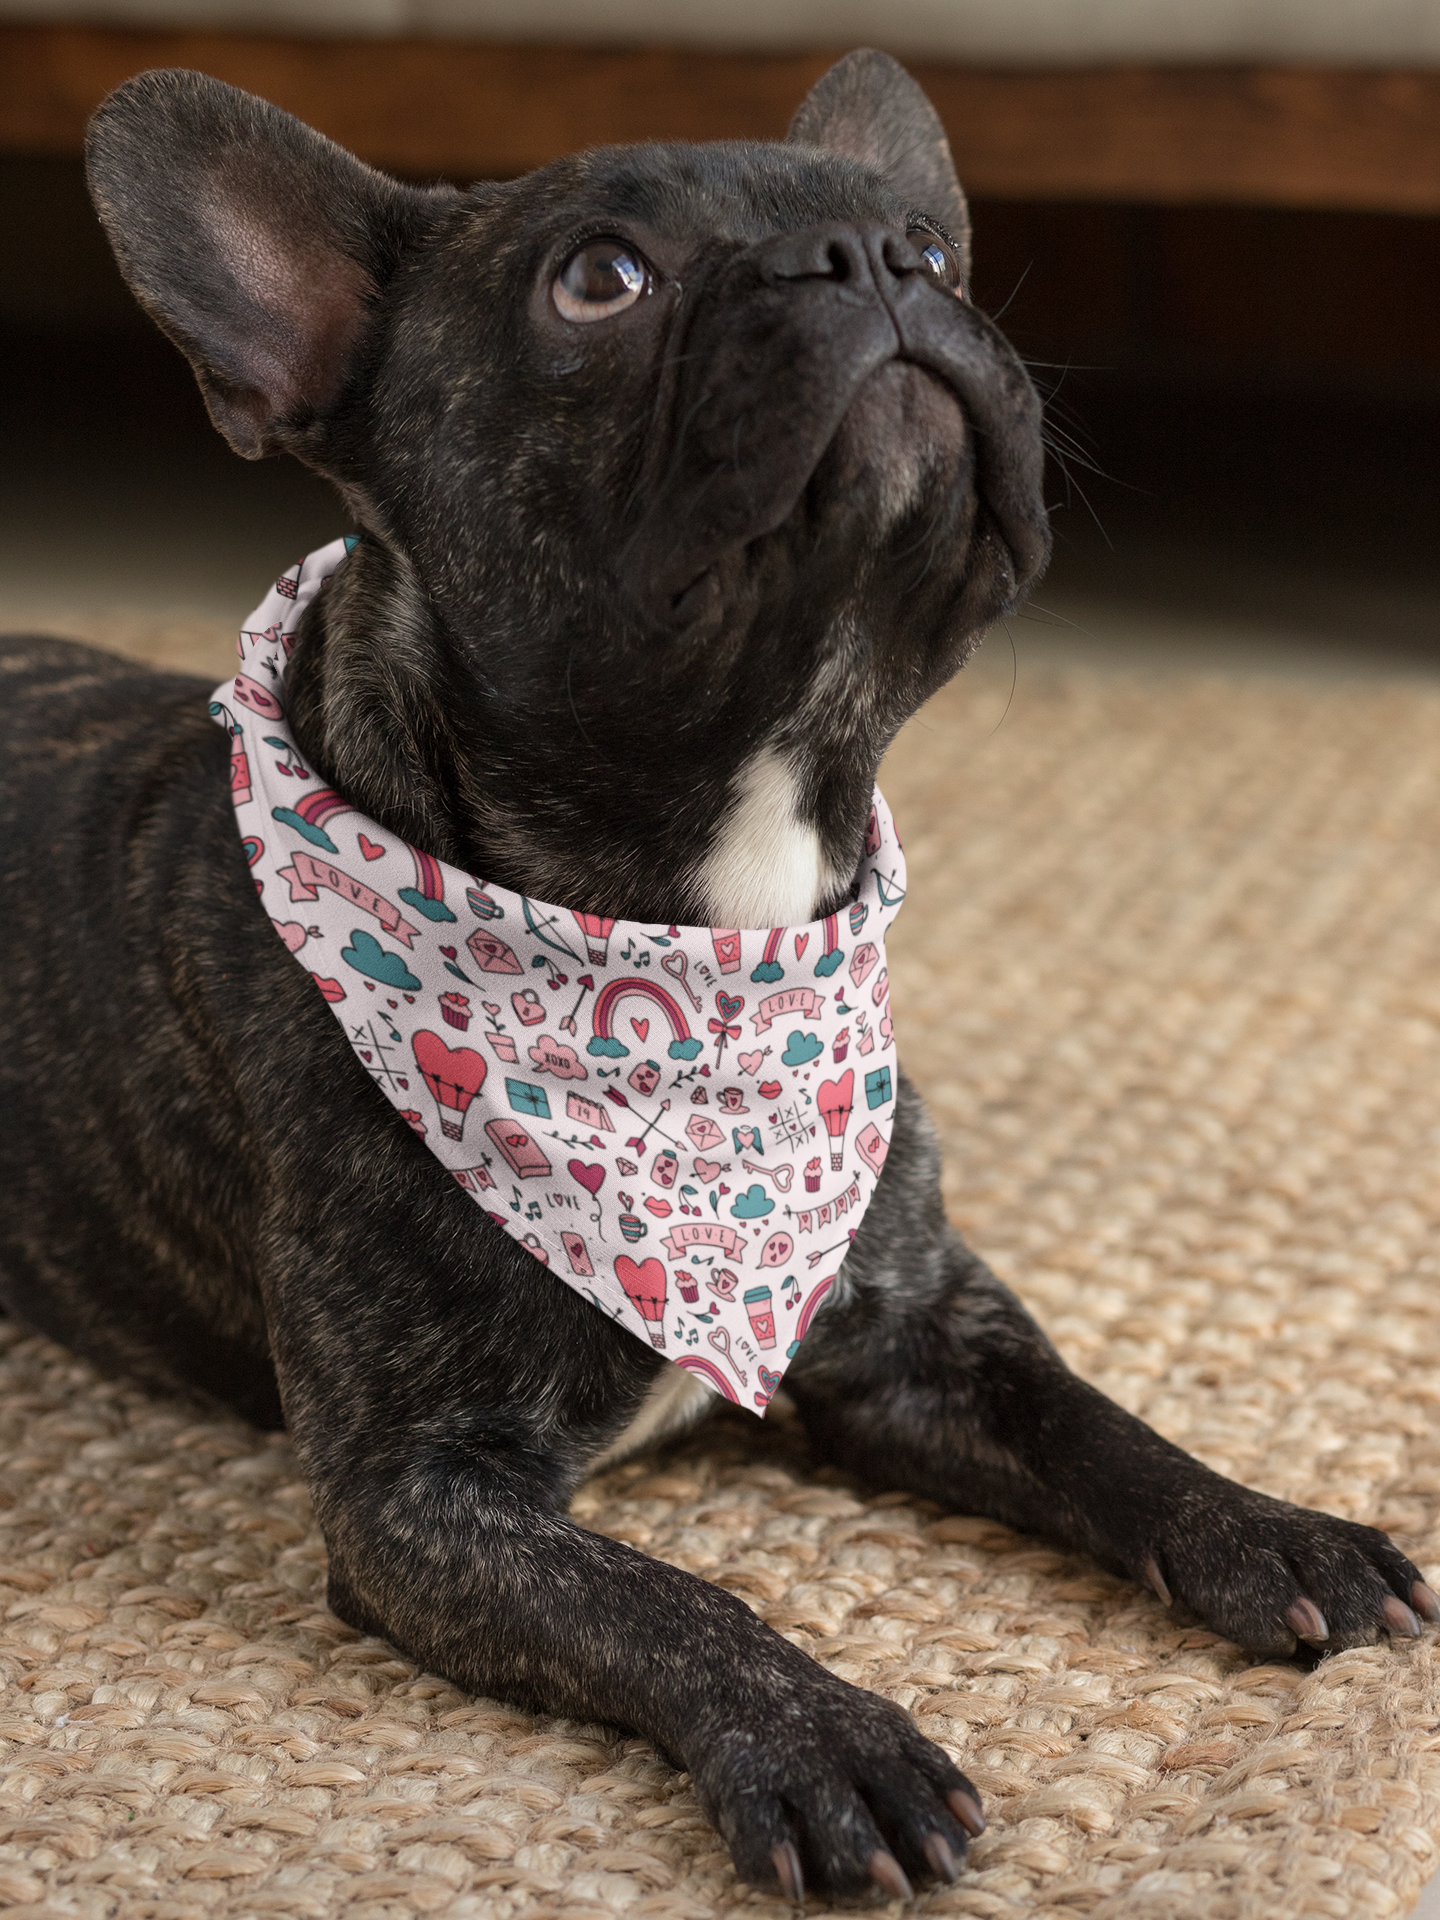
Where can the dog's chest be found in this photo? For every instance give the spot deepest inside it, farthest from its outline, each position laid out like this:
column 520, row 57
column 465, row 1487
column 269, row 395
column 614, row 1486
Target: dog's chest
column 765, row 866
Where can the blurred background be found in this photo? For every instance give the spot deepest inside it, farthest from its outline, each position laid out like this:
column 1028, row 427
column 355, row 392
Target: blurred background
column 1212, row 229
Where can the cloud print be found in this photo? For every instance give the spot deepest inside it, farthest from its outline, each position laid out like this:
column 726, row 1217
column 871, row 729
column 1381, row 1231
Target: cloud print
column 612, row 1049
column 317, row 836
column 801, row 1049
column 828, row 962
column 553, row 1056
column 768, row 970
column 753, row 1204
column 422, row 903
column 681, row 1049
column 367, row 956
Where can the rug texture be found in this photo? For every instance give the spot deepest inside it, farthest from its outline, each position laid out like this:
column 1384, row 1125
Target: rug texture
column 1170, row 976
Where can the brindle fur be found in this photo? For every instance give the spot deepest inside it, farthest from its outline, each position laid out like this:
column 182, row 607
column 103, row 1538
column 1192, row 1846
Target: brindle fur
column 770, row 508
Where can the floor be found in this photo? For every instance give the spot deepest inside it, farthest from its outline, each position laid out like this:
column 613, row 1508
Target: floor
column 1270, row 534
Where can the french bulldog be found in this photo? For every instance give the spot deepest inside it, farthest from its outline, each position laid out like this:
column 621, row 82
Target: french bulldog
column 684, row 474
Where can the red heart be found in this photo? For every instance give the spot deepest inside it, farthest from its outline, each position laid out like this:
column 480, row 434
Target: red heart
column 729, row 1005
column 645, row 1281
column 369, row 848
column 770, row 1089
column 458, row 1067
column 802, row 940
column 591, row 1178
column 449, row 952
column 641, row 1027
column 723, row 1187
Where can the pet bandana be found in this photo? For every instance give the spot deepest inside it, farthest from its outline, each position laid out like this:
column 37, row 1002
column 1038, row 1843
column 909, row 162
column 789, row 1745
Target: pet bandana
column 685, row 1124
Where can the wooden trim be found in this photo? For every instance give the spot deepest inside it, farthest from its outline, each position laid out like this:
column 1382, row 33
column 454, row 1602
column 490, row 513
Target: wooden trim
column 1277, row 136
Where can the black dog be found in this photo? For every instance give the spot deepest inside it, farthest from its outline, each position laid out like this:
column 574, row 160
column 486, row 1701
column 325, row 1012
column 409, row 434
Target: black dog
column 684, row 478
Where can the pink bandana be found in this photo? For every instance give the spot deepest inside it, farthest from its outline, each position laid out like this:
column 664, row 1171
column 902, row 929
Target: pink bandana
column 685, row 1124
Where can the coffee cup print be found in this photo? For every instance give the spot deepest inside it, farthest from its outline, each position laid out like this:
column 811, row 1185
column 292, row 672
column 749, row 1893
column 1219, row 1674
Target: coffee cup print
column 726, row 942
column 760, row 1305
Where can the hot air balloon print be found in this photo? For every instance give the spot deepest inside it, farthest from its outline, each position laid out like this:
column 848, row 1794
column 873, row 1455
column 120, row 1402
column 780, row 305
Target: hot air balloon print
column 454, row 1076
column 834, row 1098
column 643, row 1282
column 596, row 929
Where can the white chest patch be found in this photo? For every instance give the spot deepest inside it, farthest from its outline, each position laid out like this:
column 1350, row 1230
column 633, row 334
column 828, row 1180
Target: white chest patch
column 765, row 868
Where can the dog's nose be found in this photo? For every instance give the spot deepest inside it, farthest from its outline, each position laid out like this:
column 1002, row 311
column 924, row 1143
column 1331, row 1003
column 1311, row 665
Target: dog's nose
column 874, row 256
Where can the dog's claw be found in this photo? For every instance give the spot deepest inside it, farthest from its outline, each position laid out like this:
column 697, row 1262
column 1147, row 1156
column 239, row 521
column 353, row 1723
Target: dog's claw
column 1425, row 1601
column 942, row 1861
column 1306, row 1621
column 966, row 1809
column 888, row 1874
column 1398, row 1618
column 1157, row 1580
column 786, row 1858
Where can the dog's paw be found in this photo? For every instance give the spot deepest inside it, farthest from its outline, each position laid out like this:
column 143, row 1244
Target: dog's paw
column 835, row 1792
column 1268, row 1575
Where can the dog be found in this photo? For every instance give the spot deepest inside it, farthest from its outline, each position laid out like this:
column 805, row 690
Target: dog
column 684, row 475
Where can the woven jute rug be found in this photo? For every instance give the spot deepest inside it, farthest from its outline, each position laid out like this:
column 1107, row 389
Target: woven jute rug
column 1170, row 977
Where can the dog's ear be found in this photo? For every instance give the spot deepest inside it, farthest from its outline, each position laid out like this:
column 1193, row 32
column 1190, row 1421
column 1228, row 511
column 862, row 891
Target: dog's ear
column 256, row 244
column 868, row 108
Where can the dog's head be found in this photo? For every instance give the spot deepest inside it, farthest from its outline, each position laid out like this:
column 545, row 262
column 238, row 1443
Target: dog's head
column 686, row 472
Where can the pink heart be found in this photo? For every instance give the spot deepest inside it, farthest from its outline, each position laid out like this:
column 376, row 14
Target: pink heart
column 642, row 1027
column 591, row 1178
column 750, row 1062
column 802, row 940
column 369, row 848
column 706, row 1170
column 728, row 1003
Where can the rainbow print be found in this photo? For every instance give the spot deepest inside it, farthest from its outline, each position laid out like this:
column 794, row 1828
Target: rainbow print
column 832, row 956
column 709, row 1373
column 683, row 1045
column 310, row 816
column 427, row 896
column 807, row 1314
column 770, row 969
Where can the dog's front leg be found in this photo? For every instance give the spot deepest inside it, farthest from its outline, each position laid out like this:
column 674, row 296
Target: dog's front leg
column 928, row 1374
column 442, row 1408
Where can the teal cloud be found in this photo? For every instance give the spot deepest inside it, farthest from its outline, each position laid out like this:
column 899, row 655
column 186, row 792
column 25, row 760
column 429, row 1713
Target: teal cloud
column 366, row 955
column 801, row 1049
column 753, row 1204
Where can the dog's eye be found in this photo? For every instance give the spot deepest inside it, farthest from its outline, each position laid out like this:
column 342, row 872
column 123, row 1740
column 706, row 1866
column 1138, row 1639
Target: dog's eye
column 600, row 278
column 936, row 255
